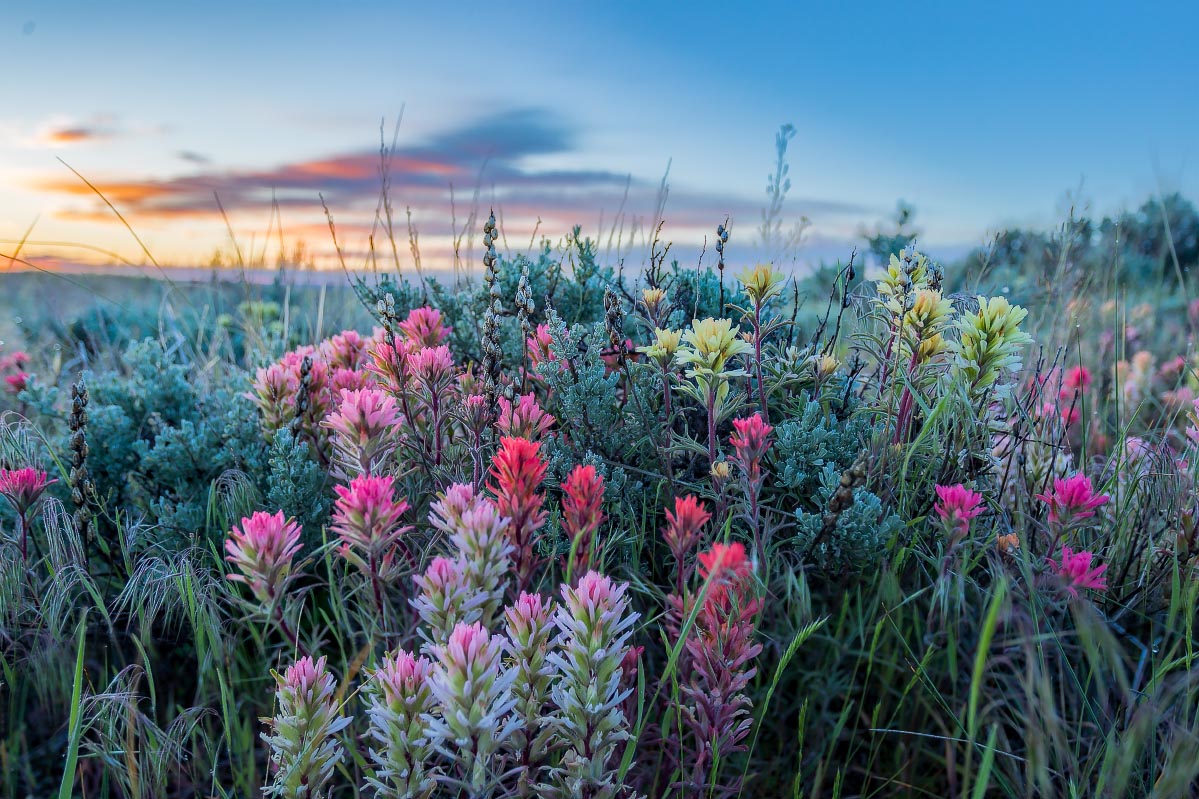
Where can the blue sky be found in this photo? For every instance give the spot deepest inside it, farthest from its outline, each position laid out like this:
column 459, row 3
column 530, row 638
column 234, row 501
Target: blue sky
column 981, row 116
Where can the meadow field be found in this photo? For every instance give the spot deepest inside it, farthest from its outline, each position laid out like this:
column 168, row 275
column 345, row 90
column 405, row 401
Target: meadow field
column 569, row 528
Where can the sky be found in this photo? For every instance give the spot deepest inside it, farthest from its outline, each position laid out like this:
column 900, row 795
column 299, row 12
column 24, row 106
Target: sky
column 982, row 116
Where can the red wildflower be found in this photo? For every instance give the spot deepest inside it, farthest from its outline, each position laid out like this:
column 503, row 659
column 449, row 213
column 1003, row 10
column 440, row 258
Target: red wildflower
column 684, row 525
column 517, row 470
column 582, row 512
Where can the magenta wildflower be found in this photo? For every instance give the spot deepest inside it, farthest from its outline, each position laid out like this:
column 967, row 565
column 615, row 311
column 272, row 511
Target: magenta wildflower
column 1072, row 499
column 366, row 517
column 23, row 487
column 1077, row 571
column 957, row 505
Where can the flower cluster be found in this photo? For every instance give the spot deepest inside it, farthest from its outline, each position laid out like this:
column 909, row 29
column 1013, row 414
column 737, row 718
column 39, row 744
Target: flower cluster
column 582, row 514
column 398, row 701
column 957, row 505
column 517, row 471
column 1072, row 500
column 366, row 518
column 262, row 549
column 303, row 733
column 12, row 369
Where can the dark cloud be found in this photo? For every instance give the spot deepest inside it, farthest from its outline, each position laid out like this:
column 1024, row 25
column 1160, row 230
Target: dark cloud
column 193, row 157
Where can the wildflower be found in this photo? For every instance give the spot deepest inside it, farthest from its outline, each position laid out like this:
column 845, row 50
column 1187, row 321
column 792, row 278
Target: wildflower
column 389, row 364
column 1076, row 569
column 432, row 367
column 924, row 325
column 444, row 600
column 274, row 393
column 722, row 567
column 957, row 505
column 1008, row 544
column 14, row 360
column 1078, row 379
column 989, row 343
column 654, row 300
column 364, row 430
column 710, row 343
column 343, row 351
column 528, row 627
column 594, row 626
column 539, row 346
column 1072, row 499
column 16, row 383
column 303, row 742
column 423, row 327
column 683, row 526
column 484, row 557
column 762, row 283
column 665, row 345
column 582, row 513
column 717, row 666
column 750, row 441
column 906, row 273
column 262, row 549
column 398, row 698
column 517, row 470
column 23, row 487
column 473, row 693
column 1192, row 430
column 524, row 419
column 720, row 471
column 366, row 517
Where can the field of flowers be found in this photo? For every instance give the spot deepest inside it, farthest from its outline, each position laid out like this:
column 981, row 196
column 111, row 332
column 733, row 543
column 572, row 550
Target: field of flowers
column 567, row 532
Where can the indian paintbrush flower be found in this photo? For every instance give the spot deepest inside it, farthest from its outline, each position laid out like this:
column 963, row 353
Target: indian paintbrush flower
column 582, row 514
column 262, row 549
column 303, row 733
column 517, row 471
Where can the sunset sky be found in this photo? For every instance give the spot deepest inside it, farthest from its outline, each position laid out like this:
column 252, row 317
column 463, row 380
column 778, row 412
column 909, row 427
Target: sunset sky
column 981, row 119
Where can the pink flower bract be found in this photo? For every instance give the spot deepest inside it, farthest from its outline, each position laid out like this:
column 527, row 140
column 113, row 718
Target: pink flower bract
column 1077, row 570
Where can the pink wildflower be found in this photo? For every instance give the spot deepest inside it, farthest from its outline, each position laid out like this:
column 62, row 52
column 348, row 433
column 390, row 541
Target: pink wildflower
column 365, row 429
column 1072, row 499
column 1077, row 570
column 539, row 346
column 525, row 419
column 366, row 517
column 16, row 383
column 423, row 327
column 956, row 506
column 262, row 549
column 750, row 440
column 23, row 487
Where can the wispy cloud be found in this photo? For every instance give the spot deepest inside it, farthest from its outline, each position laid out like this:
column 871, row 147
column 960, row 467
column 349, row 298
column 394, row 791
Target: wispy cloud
column 488, row 159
